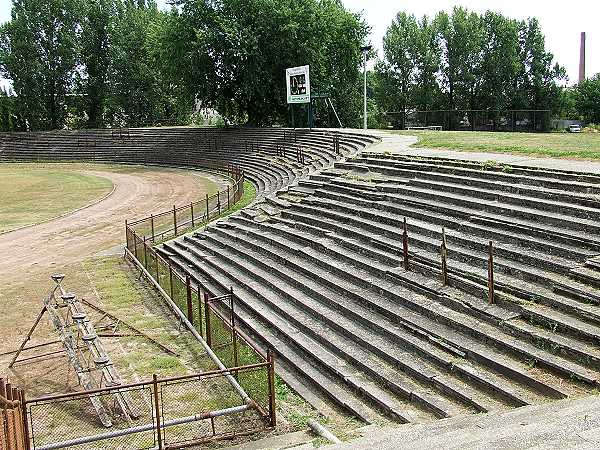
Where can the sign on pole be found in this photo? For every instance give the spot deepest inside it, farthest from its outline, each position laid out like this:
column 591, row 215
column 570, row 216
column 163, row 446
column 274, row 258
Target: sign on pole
column 298, row 84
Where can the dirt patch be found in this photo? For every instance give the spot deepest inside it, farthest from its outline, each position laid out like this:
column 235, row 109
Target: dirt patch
column 29, row 255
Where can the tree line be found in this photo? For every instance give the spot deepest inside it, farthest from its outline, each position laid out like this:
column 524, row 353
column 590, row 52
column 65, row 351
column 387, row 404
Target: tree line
column 99, row 63
column 96, row 63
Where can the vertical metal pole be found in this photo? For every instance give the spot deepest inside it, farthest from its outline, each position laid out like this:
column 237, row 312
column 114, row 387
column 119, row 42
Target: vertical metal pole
column 444, row 253
column 272, row 412
column 127, row 234
column 157, row 411
column 200, row 312
column 192, row 213
column 365, row 89
column 228, row 198
column 293, row 121
column 491, row 273
column 233, row 331
column 207, row 320
column 405, row 245
column 190, row 311
column 207, row 207
column 171, row 280
column 25, row 421
column 157, row 259
column 175, row 220
column 145, row 254
column 135, row 245
column 152, row 226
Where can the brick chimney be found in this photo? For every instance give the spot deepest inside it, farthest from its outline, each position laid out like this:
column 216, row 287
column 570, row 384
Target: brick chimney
column 582, row 58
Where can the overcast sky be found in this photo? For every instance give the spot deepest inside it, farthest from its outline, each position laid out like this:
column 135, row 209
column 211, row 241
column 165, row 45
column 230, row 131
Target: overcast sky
column 562, row 22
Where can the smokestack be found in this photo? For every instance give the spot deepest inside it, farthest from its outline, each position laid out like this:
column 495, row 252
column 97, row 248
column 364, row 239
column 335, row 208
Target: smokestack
column 582, row 58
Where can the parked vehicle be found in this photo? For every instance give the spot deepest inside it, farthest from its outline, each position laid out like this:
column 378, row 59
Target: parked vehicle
column 574, row 129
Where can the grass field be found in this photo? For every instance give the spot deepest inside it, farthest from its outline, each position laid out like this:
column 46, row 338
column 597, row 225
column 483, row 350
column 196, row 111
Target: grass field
column 556, row 145
column 31, row 193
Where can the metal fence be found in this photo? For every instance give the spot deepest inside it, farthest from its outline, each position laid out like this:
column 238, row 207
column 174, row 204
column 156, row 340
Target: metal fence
column 170, row 412
column 172, row 223
column 13, row 432
column 471, row 120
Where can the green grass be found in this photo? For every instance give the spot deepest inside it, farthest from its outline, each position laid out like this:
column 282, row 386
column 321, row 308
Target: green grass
column 555, row 145
column 32, row 194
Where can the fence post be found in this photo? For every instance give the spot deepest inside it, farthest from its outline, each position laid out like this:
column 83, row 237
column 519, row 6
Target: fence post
column 135, row 245
column 207, row 320
column 405, row 245
column 152, row 225
column 233, row 332
column 145, row 254
column 200, row 312
column 190, row 311
column 171, row 280
column 157, row 411
column 157, row 259
column 175, row 220
column 219, row 203
column 228, row 199
column 207, row 207
column 271, row 360
column 444, row 253
column 25, row 421
column 127, row 234
column 192, row 212
column 491, row 273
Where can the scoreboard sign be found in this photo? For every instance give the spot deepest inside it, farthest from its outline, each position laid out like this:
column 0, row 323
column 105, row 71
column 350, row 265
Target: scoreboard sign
column 298, row 84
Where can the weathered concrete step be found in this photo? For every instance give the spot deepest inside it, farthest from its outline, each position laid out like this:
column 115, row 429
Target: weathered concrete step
column 298, row 303
column 561, row 191
column 301, row 362
column 584, row 182
column 470, row 248
column 407, row 298
column 297, row 333
column 356, row 311
column 305, row 275
column 506, row 282
column 589, row 275
column 456, row 214
column 462, row 191
column 555, row 219
column 513, row 285
column 455, row 318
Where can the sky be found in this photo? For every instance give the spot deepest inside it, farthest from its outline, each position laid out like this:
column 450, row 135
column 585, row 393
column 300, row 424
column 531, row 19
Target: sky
column 562, row 22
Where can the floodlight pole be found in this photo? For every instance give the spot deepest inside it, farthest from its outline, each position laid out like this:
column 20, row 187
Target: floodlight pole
column 365, row 50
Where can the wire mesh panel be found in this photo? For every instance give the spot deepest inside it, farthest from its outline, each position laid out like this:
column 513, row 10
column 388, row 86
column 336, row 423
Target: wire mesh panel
column 75, row 418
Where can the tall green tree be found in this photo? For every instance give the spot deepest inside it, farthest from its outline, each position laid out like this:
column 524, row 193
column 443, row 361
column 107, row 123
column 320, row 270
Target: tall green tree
column 38, row 53
column 587, row 99
column 96, row 25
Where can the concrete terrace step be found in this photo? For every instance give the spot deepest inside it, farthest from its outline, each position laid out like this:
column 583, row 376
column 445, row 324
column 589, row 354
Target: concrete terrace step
column 352, row 378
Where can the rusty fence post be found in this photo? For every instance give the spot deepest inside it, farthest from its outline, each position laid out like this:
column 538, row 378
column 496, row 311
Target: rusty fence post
column 135, row 245
column 236, row 359
column 491, row 273
column 207, row 207
column 444, row 254
column 192, row 213
column 157, row 259
column 271, row 368
column 207, row 320
column 175, row 220
column 190, row 310
column 405, row 245
column 152, row 225
column 200, row 316
column 157, row 411
column 25, row 420
column 145, row 254
column 171, row 280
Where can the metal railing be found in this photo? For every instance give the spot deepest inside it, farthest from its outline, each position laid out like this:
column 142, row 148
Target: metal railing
column 173, row 412
column 176, row 221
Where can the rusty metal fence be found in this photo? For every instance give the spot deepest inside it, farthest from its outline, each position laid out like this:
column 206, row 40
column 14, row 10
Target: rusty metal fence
column 13, row 432
column 180, row 219
column 170, row 412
